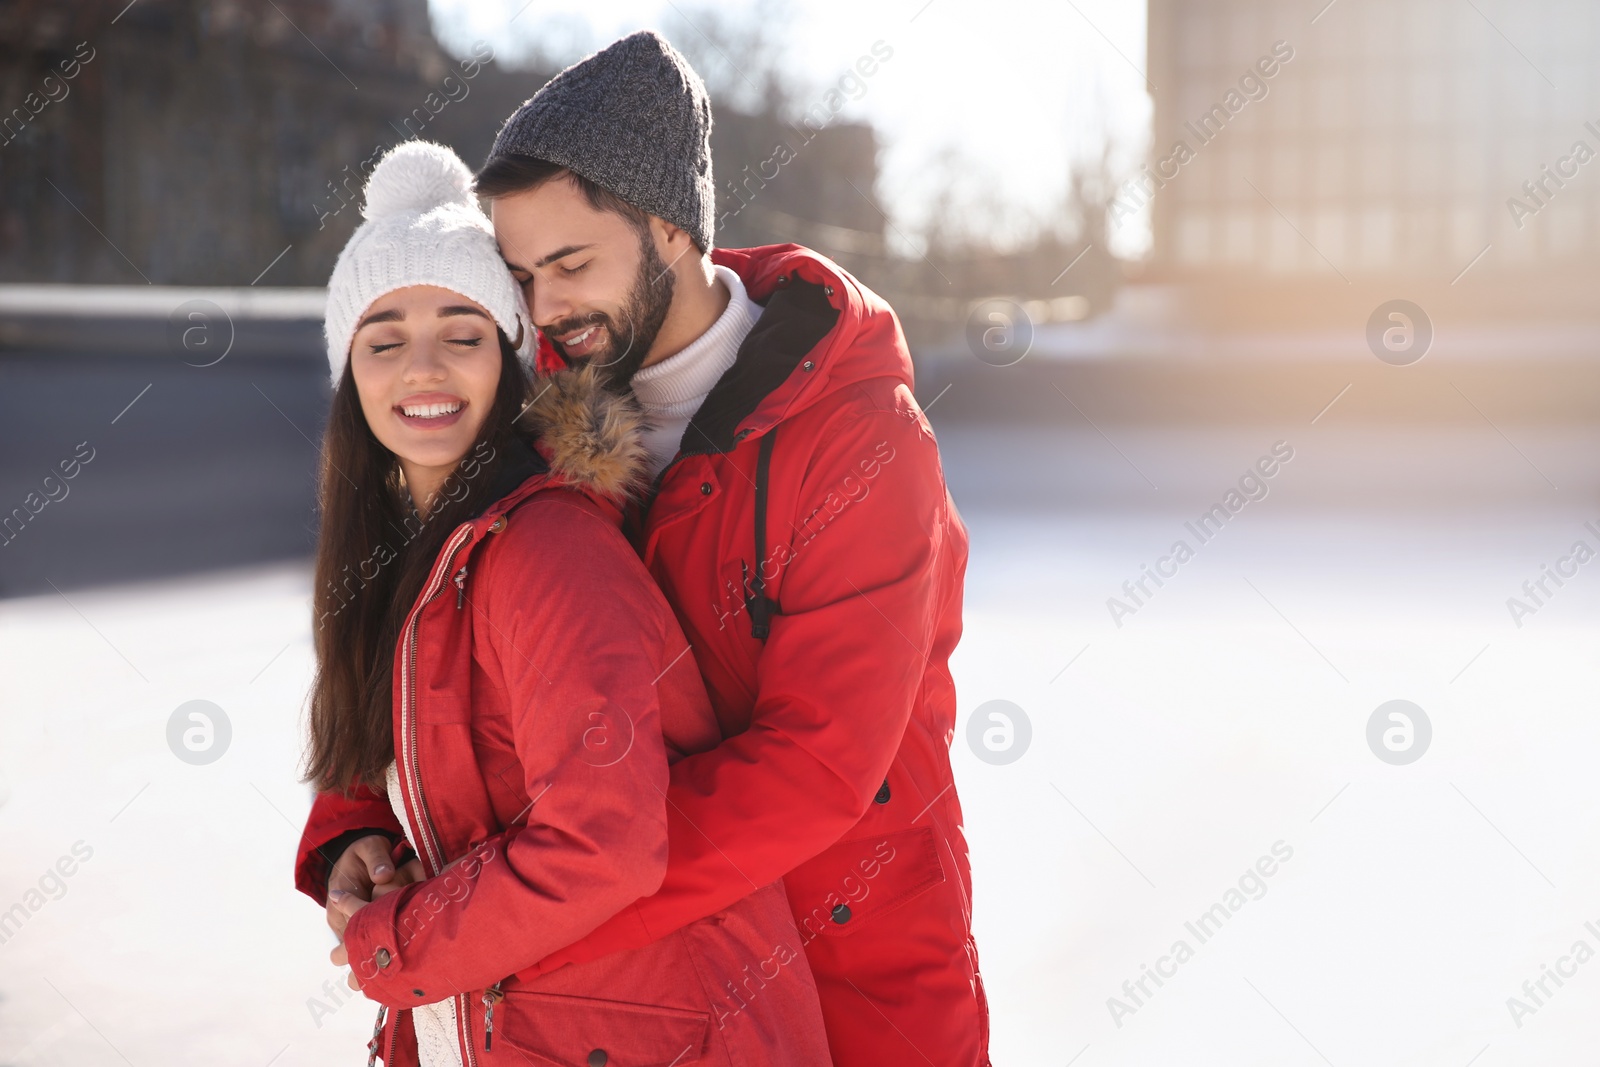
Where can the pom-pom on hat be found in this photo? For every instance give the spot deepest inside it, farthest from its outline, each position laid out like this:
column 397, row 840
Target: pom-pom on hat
column 422, row 226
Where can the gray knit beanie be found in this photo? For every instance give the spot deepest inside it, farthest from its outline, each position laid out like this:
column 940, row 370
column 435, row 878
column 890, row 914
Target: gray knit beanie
column 633, row 118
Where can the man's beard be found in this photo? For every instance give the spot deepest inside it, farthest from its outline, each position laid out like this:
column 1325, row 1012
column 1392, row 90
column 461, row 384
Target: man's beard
column 629, row 337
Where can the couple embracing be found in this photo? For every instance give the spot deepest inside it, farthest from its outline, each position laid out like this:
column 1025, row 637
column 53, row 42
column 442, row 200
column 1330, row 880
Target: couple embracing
column 635, row 751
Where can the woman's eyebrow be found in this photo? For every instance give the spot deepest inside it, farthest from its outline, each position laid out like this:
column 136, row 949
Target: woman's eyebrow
column 392, row 315
column 461, row 309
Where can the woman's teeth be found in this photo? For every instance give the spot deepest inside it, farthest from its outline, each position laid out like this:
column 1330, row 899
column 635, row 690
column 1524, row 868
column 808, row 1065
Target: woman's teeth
column 431, row 411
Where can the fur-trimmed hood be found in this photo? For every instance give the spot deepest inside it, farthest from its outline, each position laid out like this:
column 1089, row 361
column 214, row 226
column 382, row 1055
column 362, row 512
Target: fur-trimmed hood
column 592, row 437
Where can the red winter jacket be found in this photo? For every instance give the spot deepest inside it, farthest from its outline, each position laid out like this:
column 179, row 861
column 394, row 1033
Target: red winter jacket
column 541, row 688
column 835, row 774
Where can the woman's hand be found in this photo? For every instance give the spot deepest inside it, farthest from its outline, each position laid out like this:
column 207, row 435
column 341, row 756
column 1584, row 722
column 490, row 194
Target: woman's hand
column 347, row 904
column 362, row 870
column 342, row 903
column 410, row 872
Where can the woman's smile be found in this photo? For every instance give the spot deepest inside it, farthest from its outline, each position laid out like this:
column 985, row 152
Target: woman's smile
column 431, row 411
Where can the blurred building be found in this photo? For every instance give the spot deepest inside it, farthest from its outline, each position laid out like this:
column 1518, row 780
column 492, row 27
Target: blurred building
column 217, row 142
column 193, row 141
column 1311, row 164
column 1406, row 143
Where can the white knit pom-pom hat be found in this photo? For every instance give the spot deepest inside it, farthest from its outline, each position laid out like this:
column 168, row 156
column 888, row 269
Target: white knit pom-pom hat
column 423, row 227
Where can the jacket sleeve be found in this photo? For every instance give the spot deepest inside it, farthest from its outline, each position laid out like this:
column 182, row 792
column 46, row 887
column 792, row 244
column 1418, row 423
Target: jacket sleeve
column 837, row 680
column 579, row 631
column 335, row 820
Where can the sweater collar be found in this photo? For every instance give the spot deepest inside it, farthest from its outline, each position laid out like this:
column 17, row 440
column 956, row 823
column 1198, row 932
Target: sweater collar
column 687, row 376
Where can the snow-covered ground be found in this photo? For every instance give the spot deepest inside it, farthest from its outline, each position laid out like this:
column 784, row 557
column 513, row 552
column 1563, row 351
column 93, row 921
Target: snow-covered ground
column 1223, row 720
column 1231, row 714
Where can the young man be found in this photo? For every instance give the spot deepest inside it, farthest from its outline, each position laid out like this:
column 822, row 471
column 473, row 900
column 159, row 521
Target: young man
column 800, row 526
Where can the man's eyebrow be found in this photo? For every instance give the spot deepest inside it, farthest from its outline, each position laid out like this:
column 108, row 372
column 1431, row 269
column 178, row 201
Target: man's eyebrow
column 392, row 315
column 461, row 309
column 561, row 253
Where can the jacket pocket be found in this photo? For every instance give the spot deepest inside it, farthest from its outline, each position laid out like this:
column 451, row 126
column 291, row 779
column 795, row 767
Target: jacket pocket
column 554, row 1030
column 858, row 881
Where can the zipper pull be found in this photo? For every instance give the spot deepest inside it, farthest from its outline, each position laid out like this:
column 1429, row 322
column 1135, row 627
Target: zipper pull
column 377, row 1032
column 490, row 997
column 461, row 587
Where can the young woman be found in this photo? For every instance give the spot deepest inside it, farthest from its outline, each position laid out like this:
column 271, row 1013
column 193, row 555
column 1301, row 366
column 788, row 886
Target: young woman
column 494, row 658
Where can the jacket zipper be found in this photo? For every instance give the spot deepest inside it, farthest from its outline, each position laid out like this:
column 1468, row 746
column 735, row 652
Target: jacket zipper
column 377, row 1032
column 408, row 711
column 491, row 996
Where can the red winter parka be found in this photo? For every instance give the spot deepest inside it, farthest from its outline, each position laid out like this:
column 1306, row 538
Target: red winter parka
column 541, row 687
column 836, row 775
column 820, row 590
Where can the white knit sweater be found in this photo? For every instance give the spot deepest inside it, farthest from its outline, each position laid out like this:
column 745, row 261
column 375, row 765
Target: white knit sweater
column 435, row 1023
column 673, row 390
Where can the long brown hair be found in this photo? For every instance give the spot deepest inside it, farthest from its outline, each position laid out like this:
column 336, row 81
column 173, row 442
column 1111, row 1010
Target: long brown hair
column 373, row 555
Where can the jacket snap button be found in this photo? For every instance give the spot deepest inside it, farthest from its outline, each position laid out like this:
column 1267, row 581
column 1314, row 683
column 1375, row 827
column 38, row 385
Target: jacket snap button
column 828, row 289
column 382, row 956
column 841, row 914
column 783, row 279
column 705, row 488
column 497, row 525
column 883, row 793
column 417, row 993
column 598, row 1058
column 807, row 365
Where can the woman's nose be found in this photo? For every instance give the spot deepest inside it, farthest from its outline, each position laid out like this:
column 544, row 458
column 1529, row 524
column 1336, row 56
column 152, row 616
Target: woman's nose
column 426, row 364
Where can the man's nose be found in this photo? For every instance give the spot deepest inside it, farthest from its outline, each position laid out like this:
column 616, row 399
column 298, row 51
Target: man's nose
column 547, row 305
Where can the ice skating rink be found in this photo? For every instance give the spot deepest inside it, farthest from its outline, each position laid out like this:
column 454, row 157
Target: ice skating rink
column 1198, row 859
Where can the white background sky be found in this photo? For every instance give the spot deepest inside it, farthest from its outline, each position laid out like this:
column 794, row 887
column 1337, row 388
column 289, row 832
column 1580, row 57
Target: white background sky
column 1018, row 88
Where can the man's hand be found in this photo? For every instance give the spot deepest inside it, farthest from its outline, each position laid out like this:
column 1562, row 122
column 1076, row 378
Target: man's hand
column 366, row 872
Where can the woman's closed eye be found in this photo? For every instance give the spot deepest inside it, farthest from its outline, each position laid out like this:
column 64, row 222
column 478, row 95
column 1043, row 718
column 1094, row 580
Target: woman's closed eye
column 464, row 342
